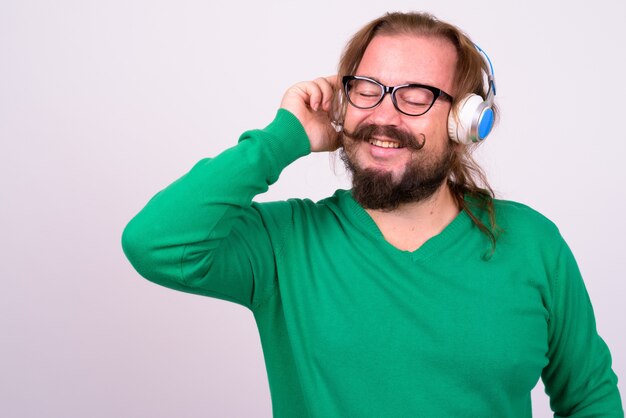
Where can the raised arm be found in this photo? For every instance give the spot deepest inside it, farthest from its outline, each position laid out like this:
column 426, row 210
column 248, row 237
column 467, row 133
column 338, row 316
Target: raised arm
column 202, row 234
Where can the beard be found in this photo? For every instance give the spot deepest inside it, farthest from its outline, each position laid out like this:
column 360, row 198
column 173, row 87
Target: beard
column 377, row 189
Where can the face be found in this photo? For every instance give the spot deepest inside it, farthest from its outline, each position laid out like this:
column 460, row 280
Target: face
column 380, row 160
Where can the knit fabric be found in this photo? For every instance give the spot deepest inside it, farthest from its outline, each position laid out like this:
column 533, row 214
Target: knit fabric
column 353, row 327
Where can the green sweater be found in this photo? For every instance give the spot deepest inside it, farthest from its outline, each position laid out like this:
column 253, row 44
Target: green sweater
column 353, row 327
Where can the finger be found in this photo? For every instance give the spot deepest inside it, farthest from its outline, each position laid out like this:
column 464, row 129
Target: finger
column 328, row 91
column 334, row 81
column 314, row 94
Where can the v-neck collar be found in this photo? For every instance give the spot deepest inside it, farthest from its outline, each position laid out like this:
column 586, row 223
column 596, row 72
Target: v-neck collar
column 455, row 230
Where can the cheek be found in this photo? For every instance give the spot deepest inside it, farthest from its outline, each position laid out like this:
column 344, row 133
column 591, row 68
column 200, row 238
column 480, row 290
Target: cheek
column 443, row 122
column 436, row 132
column 353, row 117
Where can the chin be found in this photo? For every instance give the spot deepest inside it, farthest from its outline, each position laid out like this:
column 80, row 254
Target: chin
column 397, row 171
column 385, row 187
column 396, row 168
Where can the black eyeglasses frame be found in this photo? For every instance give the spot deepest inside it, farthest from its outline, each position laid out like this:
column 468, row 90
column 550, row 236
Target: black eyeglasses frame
column 437, row 93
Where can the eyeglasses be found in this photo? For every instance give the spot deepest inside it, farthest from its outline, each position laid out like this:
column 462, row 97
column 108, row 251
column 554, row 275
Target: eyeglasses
column 409, row 99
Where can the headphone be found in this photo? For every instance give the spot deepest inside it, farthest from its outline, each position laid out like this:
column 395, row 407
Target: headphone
column 472, row 118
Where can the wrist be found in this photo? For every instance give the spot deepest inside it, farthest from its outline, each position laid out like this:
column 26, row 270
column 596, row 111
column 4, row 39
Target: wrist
column 286, row 137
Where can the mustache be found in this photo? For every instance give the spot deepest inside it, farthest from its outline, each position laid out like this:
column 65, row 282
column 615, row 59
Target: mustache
column 368, row 131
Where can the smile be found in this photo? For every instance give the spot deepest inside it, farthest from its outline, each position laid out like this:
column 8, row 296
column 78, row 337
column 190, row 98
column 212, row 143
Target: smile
column 384, row 144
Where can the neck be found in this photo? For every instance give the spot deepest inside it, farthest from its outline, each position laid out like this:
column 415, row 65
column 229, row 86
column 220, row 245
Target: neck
column 412, row 224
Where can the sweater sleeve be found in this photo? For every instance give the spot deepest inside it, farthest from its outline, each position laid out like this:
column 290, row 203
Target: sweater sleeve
column 202, row 234
column 578, row 378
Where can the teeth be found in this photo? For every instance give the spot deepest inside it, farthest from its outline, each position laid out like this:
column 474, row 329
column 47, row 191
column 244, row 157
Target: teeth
column 384, row 144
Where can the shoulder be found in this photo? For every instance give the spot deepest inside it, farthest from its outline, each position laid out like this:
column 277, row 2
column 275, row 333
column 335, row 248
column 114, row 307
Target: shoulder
column 526, row 229
column 284, row 219
column 286, row 211
column 339, row 199
column 520, row 217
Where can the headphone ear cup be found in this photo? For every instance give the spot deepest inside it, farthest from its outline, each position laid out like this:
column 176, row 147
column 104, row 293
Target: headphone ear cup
column 471, row 120
column 461, row 118
column 452, row 126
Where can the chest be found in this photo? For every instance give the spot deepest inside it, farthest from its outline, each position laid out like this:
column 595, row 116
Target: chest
column 366, row 317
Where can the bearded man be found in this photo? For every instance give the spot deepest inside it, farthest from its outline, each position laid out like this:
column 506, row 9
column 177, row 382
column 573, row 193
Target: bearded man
column 416, row 293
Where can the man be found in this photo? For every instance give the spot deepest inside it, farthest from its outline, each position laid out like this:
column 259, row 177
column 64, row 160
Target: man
column 415, row 293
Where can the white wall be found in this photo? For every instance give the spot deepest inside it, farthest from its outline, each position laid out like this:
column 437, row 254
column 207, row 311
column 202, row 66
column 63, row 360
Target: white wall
column 103, row 103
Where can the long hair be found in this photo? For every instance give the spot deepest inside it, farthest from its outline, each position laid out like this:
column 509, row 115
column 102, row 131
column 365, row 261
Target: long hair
column 467, row 181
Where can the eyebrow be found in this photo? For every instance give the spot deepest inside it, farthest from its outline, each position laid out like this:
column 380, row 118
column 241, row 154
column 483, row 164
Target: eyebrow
column 401, row 84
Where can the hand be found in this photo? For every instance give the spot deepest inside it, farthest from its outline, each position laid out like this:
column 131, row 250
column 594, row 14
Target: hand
column 310, row 102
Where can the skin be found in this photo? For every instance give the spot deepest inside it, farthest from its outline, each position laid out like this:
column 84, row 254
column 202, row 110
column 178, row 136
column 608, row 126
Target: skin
column 310, row 102
column 392, row 60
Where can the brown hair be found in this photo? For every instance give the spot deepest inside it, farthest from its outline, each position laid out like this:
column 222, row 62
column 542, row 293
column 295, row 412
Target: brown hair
column 467, row 180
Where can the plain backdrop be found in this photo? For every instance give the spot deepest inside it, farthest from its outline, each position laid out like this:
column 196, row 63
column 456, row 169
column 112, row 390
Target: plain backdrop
column 103, row 103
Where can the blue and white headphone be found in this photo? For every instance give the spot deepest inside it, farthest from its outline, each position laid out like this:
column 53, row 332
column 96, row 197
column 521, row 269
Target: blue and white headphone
column 473, row 117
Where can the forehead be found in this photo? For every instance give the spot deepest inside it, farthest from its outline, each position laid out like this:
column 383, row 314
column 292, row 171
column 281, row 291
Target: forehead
column 400, row 59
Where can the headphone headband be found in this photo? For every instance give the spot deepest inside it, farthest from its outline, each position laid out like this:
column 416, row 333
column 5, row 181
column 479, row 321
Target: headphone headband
column 491, row 78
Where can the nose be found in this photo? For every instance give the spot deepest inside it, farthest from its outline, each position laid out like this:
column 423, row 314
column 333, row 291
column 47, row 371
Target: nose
column 385, row 113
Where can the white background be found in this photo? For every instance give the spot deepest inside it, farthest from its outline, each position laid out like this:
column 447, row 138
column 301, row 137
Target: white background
column 103, row 103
